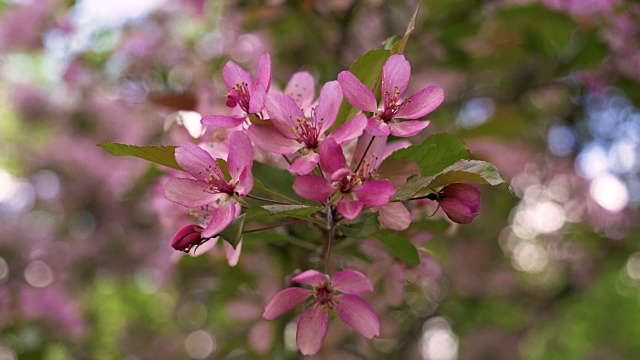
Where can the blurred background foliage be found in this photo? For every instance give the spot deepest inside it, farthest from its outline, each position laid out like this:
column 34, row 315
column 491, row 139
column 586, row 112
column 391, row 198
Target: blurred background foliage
column 546, row 89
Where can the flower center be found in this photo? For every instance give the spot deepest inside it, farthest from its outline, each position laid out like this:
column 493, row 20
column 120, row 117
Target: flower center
column 239, row 95
column 216, row 181
column 307, row 132
column 348, row 183
column 390, row 105
column 324, row 296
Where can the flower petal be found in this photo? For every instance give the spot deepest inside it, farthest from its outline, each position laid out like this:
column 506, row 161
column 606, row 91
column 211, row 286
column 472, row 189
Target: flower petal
column 245, row 182
column 421, row 103
column 284, row 112
column 303, row 165
column 233, row 255
column 221, row 217
column 240, row 154
column 189, row 192
column 351, row 282
column 395, row 75
column 313, row 187
column 233, row 74
column 312, row 329
column 377, row 127
column 284, row 301
column 395, row 216
column 310, row 277
column 264, row 71
column 272, row 140
column 358, row 315
column 195, row 160
column 328, row 105
column 375, row 192
column 349, row 208
column 407, row 128
column 301, row 88
column 331, row 156
column 350, row 130
column 257, row 100
column 221, row 121
column 357, row 93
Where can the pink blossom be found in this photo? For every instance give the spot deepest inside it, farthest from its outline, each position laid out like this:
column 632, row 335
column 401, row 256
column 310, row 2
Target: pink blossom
column 461, row 202
column 355, row 189
column 395, row 79
column 244, row 92
column 211, row 190
column 340, row 293
column 292, row 132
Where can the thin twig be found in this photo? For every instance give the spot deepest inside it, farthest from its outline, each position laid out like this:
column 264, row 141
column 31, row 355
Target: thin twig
column 266, row 200
column 274, row 226
column 364, row 155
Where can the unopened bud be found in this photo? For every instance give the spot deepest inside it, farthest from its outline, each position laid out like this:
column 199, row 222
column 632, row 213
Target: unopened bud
column 461, row 202
column 187, row 237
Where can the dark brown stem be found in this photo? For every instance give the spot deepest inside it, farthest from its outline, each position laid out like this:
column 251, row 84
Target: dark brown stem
column 364, row 154
column 330, row 223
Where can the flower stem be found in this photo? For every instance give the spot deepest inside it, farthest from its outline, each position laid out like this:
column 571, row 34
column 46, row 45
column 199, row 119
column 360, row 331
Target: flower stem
column 431, row 196
column 266, row 200
column 364, row 154
column 330, row 224
column 274, row 226
column 278, row 195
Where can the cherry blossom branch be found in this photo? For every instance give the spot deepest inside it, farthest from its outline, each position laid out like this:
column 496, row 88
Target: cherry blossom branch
column 274, row 226
column 330, row 224
column 278, row 195
column 266, row 200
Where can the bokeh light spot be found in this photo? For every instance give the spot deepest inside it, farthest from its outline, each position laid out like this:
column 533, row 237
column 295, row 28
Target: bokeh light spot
column 561, row 140
column 609, row 192
column 38, row 274
column 438, row 342
column 191, row 315
column 475, row 112
column 633, row 266
column 4, row 271
column 7, row 354
column 200, row 344
column 530, row 257
column 47, row 184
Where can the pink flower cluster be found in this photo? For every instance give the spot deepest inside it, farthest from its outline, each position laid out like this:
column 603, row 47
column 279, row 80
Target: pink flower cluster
column 335, row 166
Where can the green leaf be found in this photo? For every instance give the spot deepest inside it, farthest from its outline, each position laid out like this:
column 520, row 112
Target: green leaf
column 163, row 155
column 368, row 69
column 463, row 171
column 390, row 42
column 399, row 246
column 413, row 186
column 435, row 154
column 233, row 233
column 366, row 226
column 268, row 178
column 274, row 213
column 468, row 171
column 398, row 47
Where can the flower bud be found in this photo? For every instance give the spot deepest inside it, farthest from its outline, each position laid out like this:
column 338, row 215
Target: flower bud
column 187, row 237
column 461, row 202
